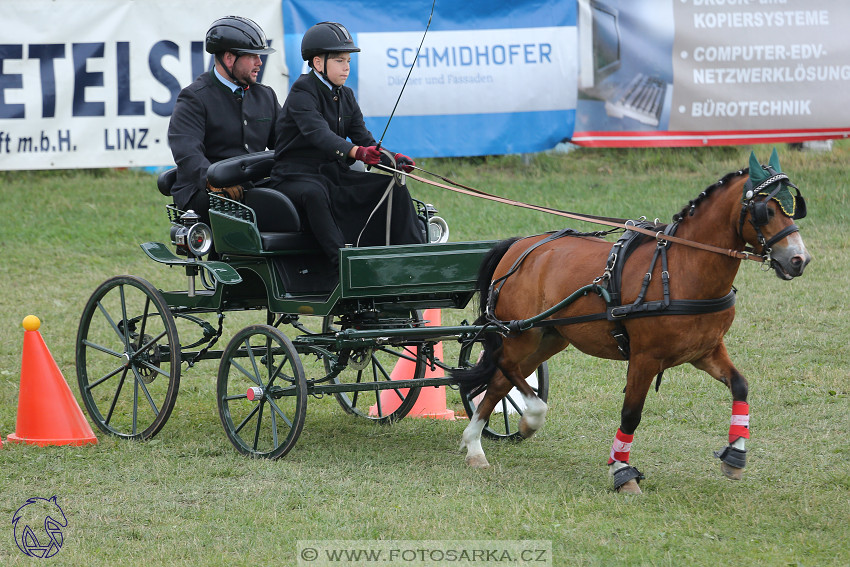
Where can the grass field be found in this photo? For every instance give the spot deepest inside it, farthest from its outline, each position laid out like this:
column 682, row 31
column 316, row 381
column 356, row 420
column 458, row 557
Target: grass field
column 187, row 497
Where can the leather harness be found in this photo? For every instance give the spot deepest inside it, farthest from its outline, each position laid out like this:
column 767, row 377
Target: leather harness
column 611, row 282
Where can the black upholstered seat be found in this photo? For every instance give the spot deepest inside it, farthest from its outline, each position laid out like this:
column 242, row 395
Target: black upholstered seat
column 278, row 220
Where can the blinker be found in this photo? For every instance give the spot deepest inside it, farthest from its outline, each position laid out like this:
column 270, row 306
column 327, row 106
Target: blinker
column 799, row 206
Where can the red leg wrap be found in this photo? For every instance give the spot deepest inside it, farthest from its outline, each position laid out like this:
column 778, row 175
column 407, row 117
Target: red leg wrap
column 622, row 446
column 740, row 421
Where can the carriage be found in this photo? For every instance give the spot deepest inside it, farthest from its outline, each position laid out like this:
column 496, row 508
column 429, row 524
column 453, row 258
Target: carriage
column 662, row 295
column 363, row 321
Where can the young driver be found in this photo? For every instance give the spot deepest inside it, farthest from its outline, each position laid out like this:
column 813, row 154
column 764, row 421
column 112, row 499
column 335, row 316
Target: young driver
column 320, row 133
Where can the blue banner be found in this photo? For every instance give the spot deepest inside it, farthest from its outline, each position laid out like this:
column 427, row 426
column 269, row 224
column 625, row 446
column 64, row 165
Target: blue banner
column 490, row 78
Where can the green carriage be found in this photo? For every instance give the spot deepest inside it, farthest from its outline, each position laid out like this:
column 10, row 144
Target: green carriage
column 368, row 317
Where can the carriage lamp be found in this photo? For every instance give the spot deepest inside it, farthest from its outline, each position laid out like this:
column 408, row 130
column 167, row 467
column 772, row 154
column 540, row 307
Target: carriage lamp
column 438, row 228
column 192, row 238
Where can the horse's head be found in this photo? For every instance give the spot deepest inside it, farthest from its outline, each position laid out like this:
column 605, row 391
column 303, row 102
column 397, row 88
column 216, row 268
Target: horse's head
column 771, row 209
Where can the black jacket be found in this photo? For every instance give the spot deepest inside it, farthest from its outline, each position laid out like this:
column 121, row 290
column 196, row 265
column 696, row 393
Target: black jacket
column 314, row 124
column 210, row 123
column 312, row 168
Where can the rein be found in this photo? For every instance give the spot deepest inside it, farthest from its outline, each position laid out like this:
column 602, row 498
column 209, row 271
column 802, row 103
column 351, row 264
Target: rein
column 607, row 221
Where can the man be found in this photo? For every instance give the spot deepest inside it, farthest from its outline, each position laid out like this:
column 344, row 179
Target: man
column 224, row 113
column 320, row 133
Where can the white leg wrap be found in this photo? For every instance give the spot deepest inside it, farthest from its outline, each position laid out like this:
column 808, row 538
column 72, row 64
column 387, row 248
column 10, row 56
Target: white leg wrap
column 740, row 444
column 471, row 438
column 535, row 412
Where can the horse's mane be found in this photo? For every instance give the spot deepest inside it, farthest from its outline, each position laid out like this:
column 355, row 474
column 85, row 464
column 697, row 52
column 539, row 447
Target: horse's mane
column 690, row 208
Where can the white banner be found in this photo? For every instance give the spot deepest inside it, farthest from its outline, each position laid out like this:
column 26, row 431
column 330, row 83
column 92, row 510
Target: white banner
column 469, row 71
column 491, row 77
column 92, row 83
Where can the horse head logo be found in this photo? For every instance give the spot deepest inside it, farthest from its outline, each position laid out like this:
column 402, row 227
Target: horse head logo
column 38, row 527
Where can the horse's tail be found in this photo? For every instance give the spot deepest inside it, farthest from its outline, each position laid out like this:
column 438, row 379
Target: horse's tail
column 487, row 269
column 472, row 381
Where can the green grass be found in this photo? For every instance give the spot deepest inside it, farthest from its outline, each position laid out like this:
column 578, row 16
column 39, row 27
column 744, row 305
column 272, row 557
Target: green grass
column 187, row 498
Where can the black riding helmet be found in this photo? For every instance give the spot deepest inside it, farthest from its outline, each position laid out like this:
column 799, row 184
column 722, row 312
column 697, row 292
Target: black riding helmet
column 326, row 37
column 238, row 35
column 323, row 39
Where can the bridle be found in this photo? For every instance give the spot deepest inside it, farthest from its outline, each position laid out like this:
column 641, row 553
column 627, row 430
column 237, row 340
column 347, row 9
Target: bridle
column 759, row 213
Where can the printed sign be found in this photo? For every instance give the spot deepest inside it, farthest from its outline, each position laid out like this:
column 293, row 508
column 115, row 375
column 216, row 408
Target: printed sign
column 491, row 78
column 92, row 83
column 694, row 72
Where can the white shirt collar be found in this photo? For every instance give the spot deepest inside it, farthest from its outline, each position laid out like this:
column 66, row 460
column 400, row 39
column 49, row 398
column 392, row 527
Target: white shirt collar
column 324, row 80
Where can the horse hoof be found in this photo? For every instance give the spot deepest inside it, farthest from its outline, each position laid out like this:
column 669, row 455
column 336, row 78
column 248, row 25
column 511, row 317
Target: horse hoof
column 630, row 487
column 477, row 462
column 730, row 472
column 525, row 430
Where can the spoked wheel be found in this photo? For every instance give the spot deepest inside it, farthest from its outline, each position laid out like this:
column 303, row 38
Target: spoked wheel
column 128, row 358
column 504, row 421
column 380, row 364
column 261, row 392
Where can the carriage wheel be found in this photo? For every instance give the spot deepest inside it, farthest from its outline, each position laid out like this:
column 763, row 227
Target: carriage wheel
column 504, row 421
column 128, row 358
column 376, row 364
column 261, row 392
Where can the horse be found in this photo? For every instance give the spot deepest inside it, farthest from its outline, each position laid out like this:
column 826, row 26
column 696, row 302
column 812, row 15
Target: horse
column 656, row 315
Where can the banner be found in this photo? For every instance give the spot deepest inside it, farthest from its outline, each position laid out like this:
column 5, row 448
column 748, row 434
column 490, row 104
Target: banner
column 712, row 72
column 491, row 77
column 92, row 83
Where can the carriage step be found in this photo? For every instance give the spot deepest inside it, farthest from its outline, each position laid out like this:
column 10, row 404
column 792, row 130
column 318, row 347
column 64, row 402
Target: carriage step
column 220, row 271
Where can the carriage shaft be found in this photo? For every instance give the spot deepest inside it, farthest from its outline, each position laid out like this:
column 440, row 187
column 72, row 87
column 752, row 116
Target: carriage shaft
column 319, row 389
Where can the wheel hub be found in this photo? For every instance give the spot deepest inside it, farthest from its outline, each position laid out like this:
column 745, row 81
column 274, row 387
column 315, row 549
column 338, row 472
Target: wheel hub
column 152, row 356
column 359, row 360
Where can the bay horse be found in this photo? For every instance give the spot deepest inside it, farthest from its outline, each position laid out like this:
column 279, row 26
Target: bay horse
column 642, row 318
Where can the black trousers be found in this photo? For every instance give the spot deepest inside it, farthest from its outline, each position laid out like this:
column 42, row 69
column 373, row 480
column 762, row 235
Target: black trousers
column 342, row 207
column 311, row 197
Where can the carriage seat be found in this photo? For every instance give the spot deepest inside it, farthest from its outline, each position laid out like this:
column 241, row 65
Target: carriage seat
column 278, row 221
column 277, row 218
column 165, row 181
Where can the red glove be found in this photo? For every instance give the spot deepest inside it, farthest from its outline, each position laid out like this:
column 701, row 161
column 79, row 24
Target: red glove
column 404, row 163
column 370, row 155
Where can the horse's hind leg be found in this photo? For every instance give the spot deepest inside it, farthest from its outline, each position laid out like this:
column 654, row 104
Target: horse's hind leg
column 497, row 389
column 733, row 458
column 542, row 346
column 534, row 414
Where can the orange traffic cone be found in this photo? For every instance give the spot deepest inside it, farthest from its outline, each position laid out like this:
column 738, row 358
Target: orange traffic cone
column 432, row 400
column 48, row 413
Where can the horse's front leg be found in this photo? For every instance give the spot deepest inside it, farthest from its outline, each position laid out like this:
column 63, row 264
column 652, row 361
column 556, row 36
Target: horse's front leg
column 639, row 378
column 733, row 458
